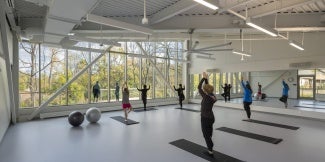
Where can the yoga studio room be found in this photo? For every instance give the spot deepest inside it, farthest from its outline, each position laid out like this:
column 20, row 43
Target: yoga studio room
column 162, row 80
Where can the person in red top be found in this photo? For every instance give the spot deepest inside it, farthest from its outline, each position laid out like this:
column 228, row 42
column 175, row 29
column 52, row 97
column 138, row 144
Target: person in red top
column 207, row 116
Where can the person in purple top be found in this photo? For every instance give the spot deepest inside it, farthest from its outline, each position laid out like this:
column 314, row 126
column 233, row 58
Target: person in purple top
column 247, row 98
column 207, row 116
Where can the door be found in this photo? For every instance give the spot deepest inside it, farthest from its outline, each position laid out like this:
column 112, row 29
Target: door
column 306, row 86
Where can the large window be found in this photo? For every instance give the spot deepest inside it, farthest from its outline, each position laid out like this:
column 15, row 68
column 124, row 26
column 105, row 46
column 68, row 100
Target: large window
column 42, row 75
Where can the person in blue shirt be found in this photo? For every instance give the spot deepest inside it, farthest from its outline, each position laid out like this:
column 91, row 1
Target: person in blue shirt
column 285, row 92
column 247, row 98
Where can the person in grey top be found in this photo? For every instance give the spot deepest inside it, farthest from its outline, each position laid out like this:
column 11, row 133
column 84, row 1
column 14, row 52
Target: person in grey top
column 207, row 116
column 125, row 101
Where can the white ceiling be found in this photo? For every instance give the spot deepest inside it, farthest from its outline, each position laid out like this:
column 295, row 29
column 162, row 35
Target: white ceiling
column 63, row 16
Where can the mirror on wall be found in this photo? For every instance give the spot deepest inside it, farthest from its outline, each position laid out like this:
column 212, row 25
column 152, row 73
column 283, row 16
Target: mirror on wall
column 306, row 87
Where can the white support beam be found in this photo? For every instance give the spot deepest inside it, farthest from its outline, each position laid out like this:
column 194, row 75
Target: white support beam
column 59, row 91
column 3, row 27
column 169, row 12
column 63, row 19
column 155, row 67
column 226, row 8
column 83, row 49
column 100, row 41
column 118, row 24
column 277, row 6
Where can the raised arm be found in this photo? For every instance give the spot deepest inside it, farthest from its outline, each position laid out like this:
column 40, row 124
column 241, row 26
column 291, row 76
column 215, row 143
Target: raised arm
column 204, row 79
column 148, row 88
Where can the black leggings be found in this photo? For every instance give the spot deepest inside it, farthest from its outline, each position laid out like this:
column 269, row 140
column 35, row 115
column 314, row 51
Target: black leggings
column 181, row 98
column 248, row 108
column 207, row 129
column 144, row 100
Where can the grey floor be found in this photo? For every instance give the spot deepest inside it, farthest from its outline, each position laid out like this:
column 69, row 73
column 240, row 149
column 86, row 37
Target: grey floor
column 54, row 140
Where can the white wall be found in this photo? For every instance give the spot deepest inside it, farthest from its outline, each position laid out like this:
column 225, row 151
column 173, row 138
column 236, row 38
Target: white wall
column 4, row 99
column 267, row 54
column 271, row 82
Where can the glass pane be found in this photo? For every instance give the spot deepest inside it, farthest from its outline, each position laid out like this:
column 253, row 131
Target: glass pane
column 117, row 64
column 320, row 81
column 306, row 72
column 133, row 70
column 306, row 87
column 53, row 74
column 99, row 72
column 80, row 90
column 29, row 74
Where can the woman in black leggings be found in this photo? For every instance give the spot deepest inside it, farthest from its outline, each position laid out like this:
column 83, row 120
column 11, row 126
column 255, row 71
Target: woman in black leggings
column 144, row 95
column 180, row 94
column 207, row 116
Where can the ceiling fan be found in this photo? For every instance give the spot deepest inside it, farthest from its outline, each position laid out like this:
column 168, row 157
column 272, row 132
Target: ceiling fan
column 206, row 51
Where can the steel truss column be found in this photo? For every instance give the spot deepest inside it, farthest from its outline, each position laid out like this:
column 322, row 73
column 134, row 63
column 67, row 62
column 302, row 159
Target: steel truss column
column 58, row 92
column 3, row 26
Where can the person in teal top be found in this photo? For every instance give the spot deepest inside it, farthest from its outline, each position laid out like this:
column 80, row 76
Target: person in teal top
column 247, row 98
column 285, row 93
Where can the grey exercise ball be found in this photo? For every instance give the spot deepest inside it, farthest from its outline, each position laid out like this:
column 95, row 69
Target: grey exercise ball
column 93, row 114
column 76, row 118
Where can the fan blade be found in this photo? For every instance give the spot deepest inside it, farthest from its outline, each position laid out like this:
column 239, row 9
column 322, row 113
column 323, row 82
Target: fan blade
column 220, row 45
column 203, row 53
column 209, row 50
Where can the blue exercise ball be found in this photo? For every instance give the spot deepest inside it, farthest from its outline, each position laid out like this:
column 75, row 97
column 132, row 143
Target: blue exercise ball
column 76, row 118
column 93, row 115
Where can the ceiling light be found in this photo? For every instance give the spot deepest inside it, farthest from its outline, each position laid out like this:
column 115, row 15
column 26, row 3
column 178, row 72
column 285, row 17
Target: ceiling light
column 296, row 45
column 207, row 4
column 262, row 28
column 243, row 53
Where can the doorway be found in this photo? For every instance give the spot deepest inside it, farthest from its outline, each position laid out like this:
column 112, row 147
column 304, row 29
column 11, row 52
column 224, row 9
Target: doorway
column 306, row 86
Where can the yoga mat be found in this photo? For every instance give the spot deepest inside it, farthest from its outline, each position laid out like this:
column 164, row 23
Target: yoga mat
column 122, row 120
column 272, row 124
column 201, row 151
column 251, row 135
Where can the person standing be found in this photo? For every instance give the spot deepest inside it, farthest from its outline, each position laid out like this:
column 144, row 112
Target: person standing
column 180, row 94
column 247, row 98
column 285, row 93
column 225, row 91
column 259, row 91
column 117, row 91
column 207, row 116
column 96, row 91
column 228, row 92
column 125, row 101
column 144, row 95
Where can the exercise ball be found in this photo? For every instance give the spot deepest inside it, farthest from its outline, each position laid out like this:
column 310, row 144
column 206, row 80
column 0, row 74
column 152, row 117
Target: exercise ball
column 93, row 114
column 76, row 118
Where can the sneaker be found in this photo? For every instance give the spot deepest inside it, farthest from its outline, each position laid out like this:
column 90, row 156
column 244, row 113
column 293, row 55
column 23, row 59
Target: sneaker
column 209, row 153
